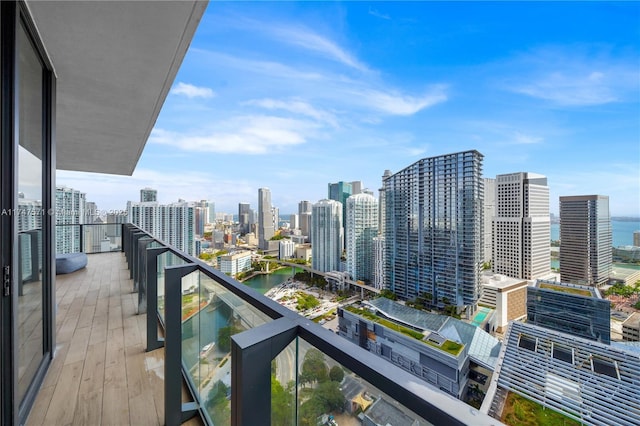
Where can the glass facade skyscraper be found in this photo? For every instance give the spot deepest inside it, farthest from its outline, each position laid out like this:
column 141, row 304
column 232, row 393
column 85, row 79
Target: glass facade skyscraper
column 585, row 239
column 434, row 229
column 265, row 218
column 361, row 228
column 327, row 235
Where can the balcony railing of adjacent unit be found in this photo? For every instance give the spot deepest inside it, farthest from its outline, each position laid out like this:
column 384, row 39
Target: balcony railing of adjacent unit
column 247, row 360
column 88, row 238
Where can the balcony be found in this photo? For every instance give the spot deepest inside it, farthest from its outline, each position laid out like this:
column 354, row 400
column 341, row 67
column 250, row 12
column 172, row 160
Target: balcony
column 112, row 365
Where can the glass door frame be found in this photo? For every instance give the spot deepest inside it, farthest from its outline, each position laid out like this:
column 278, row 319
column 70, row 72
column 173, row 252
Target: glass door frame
column 13, row 16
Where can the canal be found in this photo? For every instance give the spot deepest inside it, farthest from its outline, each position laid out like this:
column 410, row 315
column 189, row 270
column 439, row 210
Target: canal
column 203, row 327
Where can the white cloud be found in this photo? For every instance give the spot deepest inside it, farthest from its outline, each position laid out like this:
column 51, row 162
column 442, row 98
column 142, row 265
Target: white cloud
column 191, row 91
column 315, row 42
column 242, row 63
column 374, row 12
column 574, row 76
column 241, row 135
column 297, row 107
column 396, row 103
column 524, row 139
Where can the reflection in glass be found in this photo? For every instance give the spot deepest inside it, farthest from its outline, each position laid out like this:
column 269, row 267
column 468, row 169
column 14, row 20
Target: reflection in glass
column 284, row 371
column 329, row 394
column 29, row 213
column 211, row 314
column 164, row 260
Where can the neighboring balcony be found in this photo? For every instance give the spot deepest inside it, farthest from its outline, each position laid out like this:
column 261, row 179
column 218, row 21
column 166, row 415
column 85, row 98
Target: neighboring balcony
column 209, row 351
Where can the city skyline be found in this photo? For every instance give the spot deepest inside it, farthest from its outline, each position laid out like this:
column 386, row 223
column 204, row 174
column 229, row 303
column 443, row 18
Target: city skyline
column 300, row 95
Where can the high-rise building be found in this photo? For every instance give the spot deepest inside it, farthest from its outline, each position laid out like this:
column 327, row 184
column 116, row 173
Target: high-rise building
column 636, row 238
column 378, row 262
column 489, row 213
column 91, row 212
column 327, row 235
column 361, row 229
column 275, row 215
column 433, row 229
column 70, row 211
column 305, row 224
column 340, row 191
column 173, row 223
column 244, row 218
column 521, row 228
column 382, row 203
column 585, row 239
column 212, row 211
column 304, row 207
column 148, row 195
column 294, row 221
column 265, row 218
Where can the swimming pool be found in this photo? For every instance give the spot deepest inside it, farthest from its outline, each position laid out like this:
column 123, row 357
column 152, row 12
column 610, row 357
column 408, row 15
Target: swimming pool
column 480, row 316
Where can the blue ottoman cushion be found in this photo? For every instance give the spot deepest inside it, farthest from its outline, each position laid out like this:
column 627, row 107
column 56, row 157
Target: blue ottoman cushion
column 70, row 262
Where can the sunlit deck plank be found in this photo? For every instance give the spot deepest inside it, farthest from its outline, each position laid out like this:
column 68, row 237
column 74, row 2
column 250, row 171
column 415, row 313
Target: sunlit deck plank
column 101, row 373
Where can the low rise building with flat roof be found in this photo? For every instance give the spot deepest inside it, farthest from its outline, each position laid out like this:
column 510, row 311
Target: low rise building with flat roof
column 590, row 382
column 508, row 296
column 235, row 263
column 631, row 328
column 575, row 309
column 436, row 348
column 383, row 413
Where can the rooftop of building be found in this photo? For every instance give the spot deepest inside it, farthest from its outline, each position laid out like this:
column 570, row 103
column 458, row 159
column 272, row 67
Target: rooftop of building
column 482, row 347
column 501, row 282
column 622, row 272
column 570, row 374
column 575, row 289
column 633, row 320
column 384, row 413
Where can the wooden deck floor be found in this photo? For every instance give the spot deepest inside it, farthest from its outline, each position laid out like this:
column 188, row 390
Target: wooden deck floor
column 101, row 374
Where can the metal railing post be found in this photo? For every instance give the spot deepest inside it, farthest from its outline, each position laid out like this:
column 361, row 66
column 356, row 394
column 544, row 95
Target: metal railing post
column 151, row 299
column 175, row 412
column 141, row 265
column 251, row 354
column 133, row 270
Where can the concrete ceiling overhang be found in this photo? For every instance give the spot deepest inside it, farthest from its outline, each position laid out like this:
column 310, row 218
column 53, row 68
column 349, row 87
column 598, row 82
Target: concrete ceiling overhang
column 115, row 62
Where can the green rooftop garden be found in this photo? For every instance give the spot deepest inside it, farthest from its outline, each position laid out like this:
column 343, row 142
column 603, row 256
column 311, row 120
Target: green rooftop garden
column 448, row 346
column 565, row 289
column 520, row 411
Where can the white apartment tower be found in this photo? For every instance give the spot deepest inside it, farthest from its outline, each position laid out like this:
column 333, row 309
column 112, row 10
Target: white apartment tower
column 327, row 235
column 378, row 262
column 521, row 228
column 266, row 229
column 585, row 239
column 489, row 213
column 361, row 229
column 172, row 223
column 70, row 210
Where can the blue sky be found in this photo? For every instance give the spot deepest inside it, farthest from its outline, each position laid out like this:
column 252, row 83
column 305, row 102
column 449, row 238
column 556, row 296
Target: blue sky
column 292, row 96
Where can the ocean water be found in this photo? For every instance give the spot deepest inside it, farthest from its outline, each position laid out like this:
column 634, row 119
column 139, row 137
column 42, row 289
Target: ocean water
column 622, row 232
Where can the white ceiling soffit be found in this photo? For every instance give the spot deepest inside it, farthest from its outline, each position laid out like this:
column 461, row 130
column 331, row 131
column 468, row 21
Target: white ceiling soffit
column 115, row 62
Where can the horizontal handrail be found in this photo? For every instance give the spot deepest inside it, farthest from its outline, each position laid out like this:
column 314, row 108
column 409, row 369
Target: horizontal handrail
column 407, row 389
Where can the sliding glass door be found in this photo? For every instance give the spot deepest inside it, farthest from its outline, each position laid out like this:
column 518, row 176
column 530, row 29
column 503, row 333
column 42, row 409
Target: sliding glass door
column 26, row 223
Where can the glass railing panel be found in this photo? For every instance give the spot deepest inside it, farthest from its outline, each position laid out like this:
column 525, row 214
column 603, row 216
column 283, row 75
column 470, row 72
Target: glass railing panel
column 164, row 260
column 284, row 374
column 329, row 394
column 207, row 341
column 101, row 237
column 68, row 238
